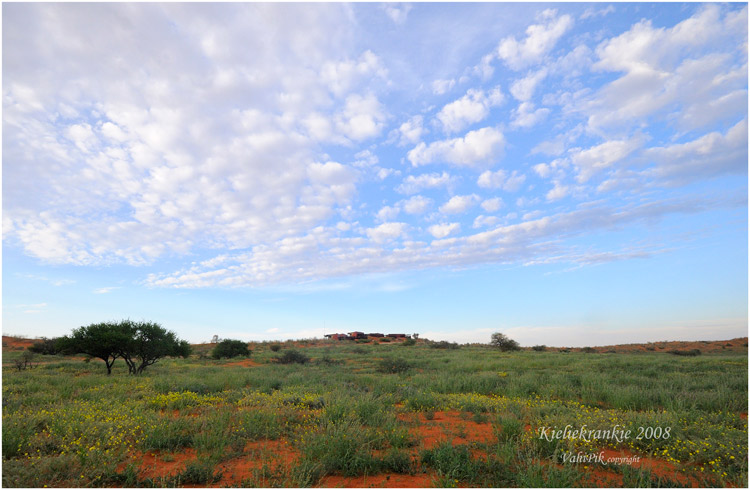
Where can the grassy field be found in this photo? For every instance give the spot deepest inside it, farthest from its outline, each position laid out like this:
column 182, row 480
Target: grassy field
column 380, row 415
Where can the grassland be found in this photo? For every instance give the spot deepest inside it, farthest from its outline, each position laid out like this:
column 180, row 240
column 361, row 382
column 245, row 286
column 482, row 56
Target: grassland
column 466, row 417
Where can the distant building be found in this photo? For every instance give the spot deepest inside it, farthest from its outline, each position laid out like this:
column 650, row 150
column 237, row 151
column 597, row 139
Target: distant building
column 357, row 335
column 398, row 335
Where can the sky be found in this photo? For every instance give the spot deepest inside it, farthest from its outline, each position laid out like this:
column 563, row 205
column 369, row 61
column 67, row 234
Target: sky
column 568, row 174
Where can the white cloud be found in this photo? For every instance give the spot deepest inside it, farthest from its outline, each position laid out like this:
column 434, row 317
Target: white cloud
column 414, row 184
column 540, row 39
column 539, row 239
column 523, row 89
column 388, row 213
column 500, row 180
column 691, row 70
column 386, row 231
column 340, row 77
column 558, row 191
column 707, row 156
column 526, row 116
column 397, row 12
column 439, row 87
column 592, row 12
column 411, row 131
column 483, row 221
column 459, row 204
column 492, row 205
column 592, row 160
column 469, row 109
column 416, row 204
column 444, row 229
column 362, row 117
column 485, row 69
column 105, row 290
column 482, row 147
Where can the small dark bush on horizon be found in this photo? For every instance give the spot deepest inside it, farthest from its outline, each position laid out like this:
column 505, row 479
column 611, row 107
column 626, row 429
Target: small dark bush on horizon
column 229, row 348
column 691, row 352
column 540, row 348
column 275, row 347
column 444, row 344
column 47, row 347
column 408, row 342
column 292, row 357
column 588, row 350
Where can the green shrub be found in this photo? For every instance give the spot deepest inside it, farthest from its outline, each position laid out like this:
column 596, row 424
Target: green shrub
column 444, row 344
column 393, row 366
column 292, row 357
column 691, row 352
column 46, row 347
column 408, row 342
column 588, row 350
column 540, row 348
column 229, row 348
column 275, row 347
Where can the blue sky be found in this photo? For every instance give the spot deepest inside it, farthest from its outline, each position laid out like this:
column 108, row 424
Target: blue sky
column 569, row 174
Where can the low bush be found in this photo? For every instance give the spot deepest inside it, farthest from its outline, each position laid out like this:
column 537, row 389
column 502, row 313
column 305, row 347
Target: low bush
column 408, row 342
column 540, row 348
column 228, row 348
column 275, row 347
column 691, row 352
column 292, row 357
column 393, row 366
column 46, row 347
column 444, row 344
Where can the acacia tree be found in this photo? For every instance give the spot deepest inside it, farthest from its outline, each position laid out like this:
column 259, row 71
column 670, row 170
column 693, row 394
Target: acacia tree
column 140, row 344
column 503, row 342
column 150, row 342
column 101, row 340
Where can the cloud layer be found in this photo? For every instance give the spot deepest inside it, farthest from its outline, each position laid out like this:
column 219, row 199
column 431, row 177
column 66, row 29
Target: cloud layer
column 249, row 144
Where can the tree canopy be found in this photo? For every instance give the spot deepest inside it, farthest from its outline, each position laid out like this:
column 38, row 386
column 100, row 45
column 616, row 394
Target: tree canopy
column 503, row 342
column 140, row 344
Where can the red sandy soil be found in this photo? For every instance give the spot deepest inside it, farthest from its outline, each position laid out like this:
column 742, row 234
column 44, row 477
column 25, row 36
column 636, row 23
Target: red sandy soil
column 15, row 343
column 661, row 469
column 273, row 454
column 382, row 480
column 244, row 362
column 448, row 426
column 707, row 346
column 156, row 464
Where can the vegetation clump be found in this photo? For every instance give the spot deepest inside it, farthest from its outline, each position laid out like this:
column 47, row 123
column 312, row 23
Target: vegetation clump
column 540, row 348
column 689, row 353
column 444, row 344
column 292, row 357
column 393, row 366
column 503, row 342
column 275, row 347
column 229, row 348
column 46, row 347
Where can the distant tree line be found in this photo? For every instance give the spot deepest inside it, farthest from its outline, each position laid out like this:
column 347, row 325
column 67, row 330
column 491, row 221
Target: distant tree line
column 139, row 344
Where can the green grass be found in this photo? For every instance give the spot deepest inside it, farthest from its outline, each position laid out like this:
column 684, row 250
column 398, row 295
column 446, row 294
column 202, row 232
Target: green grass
column 65, row 423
